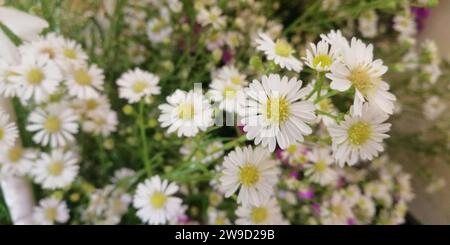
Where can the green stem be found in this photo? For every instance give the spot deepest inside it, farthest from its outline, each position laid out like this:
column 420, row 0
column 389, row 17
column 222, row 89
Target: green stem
column 143, row 136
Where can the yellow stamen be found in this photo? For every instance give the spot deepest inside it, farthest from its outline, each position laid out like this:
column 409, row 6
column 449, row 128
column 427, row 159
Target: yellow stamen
column 259, row 215
column 52, row 124
column 277, row 110
column 139, row 87
column 322, row 60
column 249, row 175
column 82, row 77
column 35, row 76
column 359, row 133
column 283, row 49
column 362, row 81
column 55, row 169
column 186, row 111
column 158, row 200
column 15, row 154
column 50, row 214
column 70, row 53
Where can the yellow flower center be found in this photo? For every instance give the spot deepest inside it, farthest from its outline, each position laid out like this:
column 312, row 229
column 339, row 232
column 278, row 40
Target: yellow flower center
column 2, row 133
column 159, row 26
column 82, row 77
column 320, row 166
column 236, row 80
column 230, row 92
column 322, row 60
column 362, row 81
column 50, row 214
column 338, row 210
column 259, row 215
column 292, row 149
column 158, row 200
column 139, row 87
column 15, row 154
column 325, row 105
column 186, row 111
column 35, row 76
column 91, row 104
column 277, row 110
column 283, row 49
column 52, row 124
column 359, row 133
column 249, row 175
column 220, row 221
column 55, row 169
column 70, row 53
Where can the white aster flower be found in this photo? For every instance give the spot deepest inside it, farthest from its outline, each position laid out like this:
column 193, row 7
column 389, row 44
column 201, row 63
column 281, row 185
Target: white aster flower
column 336, row 39
column 230, row 97
column 71, row 53
column 8, row 88
column 57, row 169
column 368, row 24
column 231, row 75
column 252, row 171
column 8, row 131
column 51, row 211
column 217, row 217
column 336, row 211
column 359, row 137
column 85, row 82
column 122, row 174
column 54, row 125
column 155, row 201
column 405, row 25
column 211, row 17
column 281, row 52
column 266, row 213
column 16, row 161
column 46, row 47
column 360, row 71
column 101, row 122
column 321, row 57
column 274, row 113
column 186, row 112
column 434, row 107
column 136, row 84
column 38, row 78
column 320, row 171
column 159, row 29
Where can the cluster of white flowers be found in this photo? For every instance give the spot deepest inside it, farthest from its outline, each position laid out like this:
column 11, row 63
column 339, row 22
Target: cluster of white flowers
column 306, row 117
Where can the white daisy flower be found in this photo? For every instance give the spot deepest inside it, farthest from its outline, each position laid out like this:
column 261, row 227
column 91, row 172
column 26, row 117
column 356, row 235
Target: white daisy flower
column 252, row 171
column 336, row 211
column 101, row 122
column 360, row 71
column 8, row 131
column 136, row 84
column 8, row 88
column 54, row 125
column 46, row 47
column 38, row 78
column 336, row 39
column 321, row 57
column 186, row 112
column 155, row 201
column 433, row 107
column 122, row 174
column 405, row 25
column 281, row 52
column 320, row 170
column 57, row 169
column 231, row 75
column 217, row 217
column 85, row 82
column 51, row 211
column 71, row 53
column 84, row 107
column 229, row 96
column 359, row 137
column 211, row 17
column 368, row 24
column 274, row 115
column 16, row 161
column 267, row 213
column 159, row 29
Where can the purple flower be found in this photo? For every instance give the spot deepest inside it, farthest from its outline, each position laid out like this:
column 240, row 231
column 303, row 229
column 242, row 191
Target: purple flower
column 227, row 56
column 421, row 15
column 351, row 221
column 306, row 195
column 316, row 208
